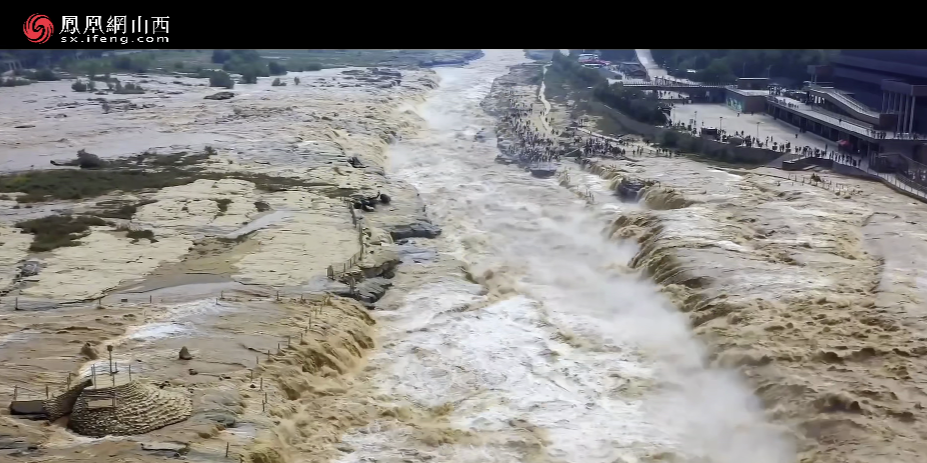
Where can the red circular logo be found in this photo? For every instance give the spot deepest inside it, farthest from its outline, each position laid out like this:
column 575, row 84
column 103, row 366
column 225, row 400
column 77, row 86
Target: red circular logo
column 38, row 28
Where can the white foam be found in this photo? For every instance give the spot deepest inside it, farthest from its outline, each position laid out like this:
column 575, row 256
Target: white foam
column 601, row 363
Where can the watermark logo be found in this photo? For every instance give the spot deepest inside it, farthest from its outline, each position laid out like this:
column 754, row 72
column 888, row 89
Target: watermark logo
column 38, row 28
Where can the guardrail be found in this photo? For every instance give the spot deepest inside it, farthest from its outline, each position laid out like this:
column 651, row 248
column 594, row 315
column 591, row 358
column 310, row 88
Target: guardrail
column 216, row 452
column 844, row 99
column 903, row 181
column 99, row 370
column 335, row 271
column 823, row 183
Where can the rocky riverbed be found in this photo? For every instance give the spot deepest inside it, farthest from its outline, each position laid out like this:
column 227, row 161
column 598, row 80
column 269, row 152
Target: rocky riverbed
column 813, row 294
column 241, row 206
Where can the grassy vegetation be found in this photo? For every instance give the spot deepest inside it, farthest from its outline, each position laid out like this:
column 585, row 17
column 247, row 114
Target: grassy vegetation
column 566, row 73
column 136, row 235
column 128, row 89
column 223, row 204
column 58, row 231
column 124, row 211
column 80, row 86
column 147, row 171
column 135, row 173
column 540, row 54
column 41, row 186
column 725, row 66
column 131, row 174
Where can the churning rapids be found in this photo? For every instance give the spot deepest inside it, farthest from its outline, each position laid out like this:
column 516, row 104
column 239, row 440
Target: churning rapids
column 560, row 353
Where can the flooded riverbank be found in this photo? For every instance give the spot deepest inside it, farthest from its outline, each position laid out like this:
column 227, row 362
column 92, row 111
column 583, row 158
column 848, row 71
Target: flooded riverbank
column 555, row 354
column 805, row 291
column 230, row 267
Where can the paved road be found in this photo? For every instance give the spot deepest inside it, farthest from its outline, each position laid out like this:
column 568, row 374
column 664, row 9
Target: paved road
column 718, row 115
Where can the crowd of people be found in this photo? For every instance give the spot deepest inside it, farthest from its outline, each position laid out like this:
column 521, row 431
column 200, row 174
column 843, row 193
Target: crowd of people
column 531, row 144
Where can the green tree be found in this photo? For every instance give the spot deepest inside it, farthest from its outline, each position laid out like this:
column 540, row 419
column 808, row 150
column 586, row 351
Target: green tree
column 221, row 56
column 276, row 69
column 221, row 79
column 248, row 77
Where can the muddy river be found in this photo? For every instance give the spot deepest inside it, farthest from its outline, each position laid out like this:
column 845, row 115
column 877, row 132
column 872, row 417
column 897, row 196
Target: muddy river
column 559, row 354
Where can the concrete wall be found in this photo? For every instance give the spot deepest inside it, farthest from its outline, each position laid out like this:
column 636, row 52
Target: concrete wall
column 835, row 167
column 27, row 407
column 712, row 149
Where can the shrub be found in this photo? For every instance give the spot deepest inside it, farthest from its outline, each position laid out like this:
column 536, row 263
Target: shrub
column 139, row 234
column 278, row 83
column 221, row 79
column 261, row 206
column 128, row 89
column 87, row 160
column 14, row 82
column 125, row 211
column 669, row 139
column 56, row 231
column 221, row 56
column 44, row 75
column 248, row 77
column 104, row 78
column 276, row 69
column 255, row 69
column 79, row 86
column 131, row 63
column 223, row 204
column 246, row 55
column 296, row 81
column 313, row 67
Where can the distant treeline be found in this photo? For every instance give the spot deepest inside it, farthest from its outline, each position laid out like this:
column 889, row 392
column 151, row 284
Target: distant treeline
column 618, row 55
column 724, row 66
column 46, row 58
column 640, row 106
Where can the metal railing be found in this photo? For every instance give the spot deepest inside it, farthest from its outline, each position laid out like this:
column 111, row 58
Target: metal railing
column 912, row 180
column 859, row 107
column 99, row 370
column 335, row 271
